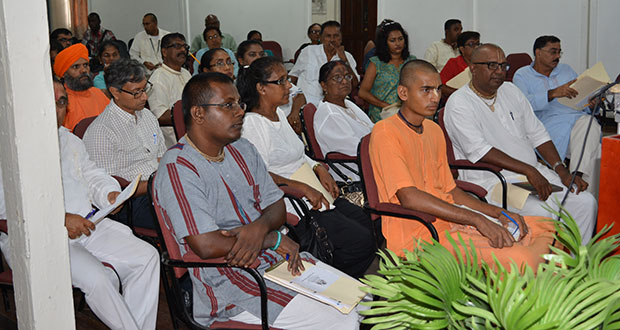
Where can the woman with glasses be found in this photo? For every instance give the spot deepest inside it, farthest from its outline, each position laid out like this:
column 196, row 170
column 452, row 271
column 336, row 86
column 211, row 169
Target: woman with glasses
column 213, row 37
column 314, row 34
column 264, row 87
column 339, row 124
column 381, row 78
column 217, row 60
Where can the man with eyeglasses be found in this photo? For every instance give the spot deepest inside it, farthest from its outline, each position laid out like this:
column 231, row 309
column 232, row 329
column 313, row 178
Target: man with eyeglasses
column 168, row 82
column 125, row 139
column 146, row 47
column 466, row 42
column 213, row 38
column 136, row 262
column 63, row 36
column 305, row 73
column 543, row 83
column 85, row 100
column 214, row 188
column 490, row 120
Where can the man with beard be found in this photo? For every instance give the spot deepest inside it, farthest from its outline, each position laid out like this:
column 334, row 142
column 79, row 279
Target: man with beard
column 543, row 83
column 490, row 120
column 71, row 64
column 125, row 139
column 168, row 82
column 305, row 73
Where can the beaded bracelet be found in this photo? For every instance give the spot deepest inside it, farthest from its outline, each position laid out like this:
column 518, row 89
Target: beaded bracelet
column 275, row 247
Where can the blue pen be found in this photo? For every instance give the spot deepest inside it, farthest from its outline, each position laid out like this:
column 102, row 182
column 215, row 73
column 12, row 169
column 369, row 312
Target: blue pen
column 155, row 138
column 513, row 118
column 90, row 214
column 287, row 256
column 509, row 218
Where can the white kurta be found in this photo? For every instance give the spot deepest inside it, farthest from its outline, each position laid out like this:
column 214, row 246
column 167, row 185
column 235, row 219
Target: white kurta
column 438, row 54
column 307, row 68
column 136, row 262
column 146, row 48
column 341, row 129
column 513, row 129
column 167, row 88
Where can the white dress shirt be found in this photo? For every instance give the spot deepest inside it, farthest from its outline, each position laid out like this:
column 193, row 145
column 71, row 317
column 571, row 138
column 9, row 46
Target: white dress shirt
column 307, row 67
column 123, row 144
column 167, row 88
column 341, row 129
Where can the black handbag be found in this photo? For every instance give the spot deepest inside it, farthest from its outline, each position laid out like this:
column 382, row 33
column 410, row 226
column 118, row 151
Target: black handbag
column 352, row 191
column 313, row 239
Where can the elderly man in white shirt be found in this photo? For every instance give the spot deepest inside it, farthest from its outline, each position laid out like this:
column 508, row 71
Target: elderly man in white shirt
column 135, row 261
column 125, row 139
column 492, row 121
column 146, row 47
column 305, row 73
column 168, row 82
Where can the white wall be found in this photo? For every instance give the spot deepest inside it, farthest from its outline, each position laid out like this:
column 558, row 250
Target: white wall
column 604, row 41
column 285, row 21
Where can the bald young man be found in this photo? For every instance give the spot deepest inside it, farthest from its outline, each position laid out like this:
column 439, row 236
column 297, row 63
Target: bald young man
column 408, row 154
column 492, row 121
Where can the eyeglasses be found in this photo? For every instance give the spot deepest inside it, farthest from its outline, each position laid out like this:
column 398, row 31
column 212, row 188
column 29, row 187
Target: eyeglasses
column 282, row 81
column 230, row 106
column 138, row 94
column 221, row 63
column 215, row 36
column 62, row 102
column 338, row 78
column 553, row 51
column 494, row 65
column 472, row 44
column 178, row 46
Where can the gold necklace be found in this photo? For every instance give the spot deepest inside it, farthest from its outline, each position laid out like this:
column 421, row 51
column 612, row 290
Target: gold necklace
column 494, row 97
column 218, row 159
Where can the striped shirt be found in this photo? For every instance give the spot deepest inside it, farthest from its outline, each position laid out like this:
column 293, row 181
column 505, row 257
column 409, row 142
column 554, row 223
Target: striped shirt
column 125, row 145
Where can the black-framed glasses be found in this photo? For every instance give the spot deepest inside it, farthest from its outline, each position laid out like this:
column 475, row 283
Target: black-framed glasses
column 553, row 51
column 494, row 65
column 137, row 94
column 178, row 46
column 229, row 106
column 338, row 78
column 222, row 63
column 62, row 102
column 282, row 81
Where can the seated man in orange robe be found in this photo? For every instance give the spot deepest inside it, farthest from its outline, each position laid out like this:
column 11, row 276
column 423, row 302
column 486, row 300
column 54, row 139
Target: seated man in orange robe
column 408, row 155
column 71, row 64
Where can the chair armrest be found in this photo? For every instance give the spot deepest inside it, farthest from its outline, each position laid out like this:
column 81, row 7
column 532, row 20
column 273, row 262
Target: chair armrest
column 193, row 258
column 472, row 188
column 399, row 210
column 3, row 226
column 337, row 156
column 122, row 182
column 466, row 164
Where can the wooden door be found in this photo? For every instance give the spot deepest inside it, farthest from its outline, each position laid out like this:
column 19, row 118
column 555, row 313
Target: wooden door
column 359, row 21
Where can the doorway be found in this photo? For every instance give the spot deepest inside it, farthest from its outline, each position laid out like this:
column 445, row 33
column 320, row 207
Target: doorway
column 359, row 21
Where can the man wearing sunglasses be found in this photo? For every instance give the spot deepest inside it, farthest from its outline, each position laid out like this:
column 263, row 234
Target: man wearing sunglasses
column 125, row 139
column 168, row 82
column 544, row 82
column 490, row 120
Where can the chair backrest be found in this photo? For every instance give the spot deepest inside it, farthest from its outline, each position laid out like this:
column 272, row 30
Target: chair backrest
column 81, row 127
column 164, row 229
column 177, row 120
column 367, row 176
column 516, row 61
column 307, row 125
column 449, row 148
column 274, row 47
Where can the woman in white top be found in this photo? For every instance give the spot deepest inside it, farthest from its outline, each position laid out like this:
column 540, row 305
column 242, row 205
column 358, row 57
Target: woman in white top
column 339, row 124
column 264, row 86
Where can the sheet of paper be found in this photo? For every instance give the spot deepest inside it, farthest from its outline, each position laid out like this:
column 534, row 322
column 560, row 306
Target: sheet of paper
column 120, row 199
column 516, row 195
column 460, row 80
column 306, row 175
column 585, row 86
column 598, row 72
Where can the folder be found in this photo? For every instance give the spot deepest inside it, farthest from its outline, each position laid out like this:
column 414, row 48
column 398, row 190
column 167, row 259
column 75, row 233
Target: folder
column 587, row 83
column 460, row 79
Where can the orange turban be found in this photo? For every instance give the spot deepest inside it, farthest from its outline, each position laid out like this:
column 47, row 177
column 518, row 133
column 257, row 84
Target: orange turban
column 65, row 59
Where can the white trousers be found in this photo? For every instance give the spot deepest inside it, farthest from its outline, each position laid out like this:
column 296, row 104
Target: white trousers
column 303, row 313
column 135, row 261
column 591, row 163
column 582, row 207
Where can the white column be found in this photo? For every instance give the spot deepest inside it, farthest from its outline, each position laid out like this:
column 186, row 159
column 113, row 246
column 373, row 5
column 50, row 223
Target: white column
column 31, row 169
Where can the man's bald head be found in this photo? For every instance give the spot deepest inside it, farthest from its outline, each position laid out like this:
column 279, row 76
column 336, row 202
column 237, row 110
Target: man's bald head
column 409, row 70
column 212, row 20
column 481, row 52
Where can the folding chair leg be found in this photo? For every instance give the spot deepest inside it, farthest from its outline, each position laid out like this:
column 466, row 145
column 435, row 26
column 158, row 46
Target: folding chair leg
column 169, row 298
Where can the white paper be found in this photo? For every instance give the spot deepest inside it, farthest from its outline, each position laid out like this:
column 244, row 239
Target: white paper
column 120, row 199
